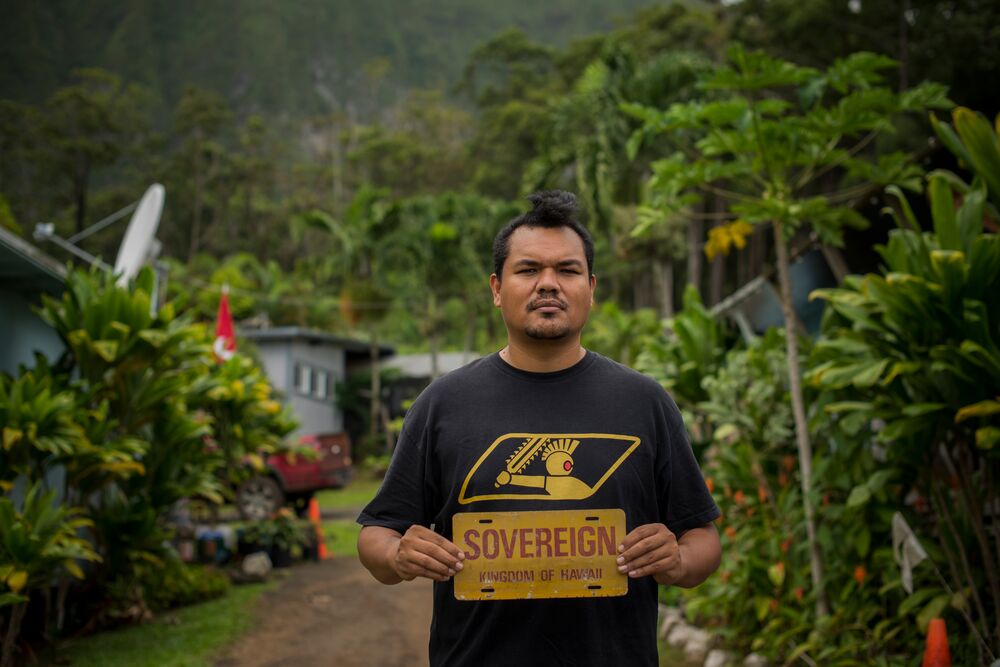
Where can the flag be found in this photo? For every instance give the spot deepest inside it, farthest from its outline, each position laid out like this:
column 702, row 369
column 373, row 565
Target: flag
column 225, row 334
column 906, row 549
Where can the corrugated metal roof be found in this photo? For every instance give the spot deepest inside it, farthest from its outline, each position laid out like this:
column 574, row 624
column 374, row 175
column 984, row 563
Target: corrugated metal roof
column 278, row 334
column 419, row 365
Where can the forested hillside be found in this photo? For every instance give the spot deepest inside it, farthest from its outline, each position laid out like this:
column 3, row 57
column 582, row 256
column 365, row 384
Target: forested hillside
column 295, row 58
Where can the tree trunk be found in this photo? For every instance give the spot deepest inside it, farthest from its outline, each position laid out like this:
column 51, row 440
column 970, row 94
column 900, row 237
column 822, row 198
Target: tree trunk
column 198, row 195
column 694, row 244
column 80, row 186
column 799, row 411
column 13, row 630
column 717, row 280
column 904, row 46
column 663, row 276
column 432, row 335
column 835, row 260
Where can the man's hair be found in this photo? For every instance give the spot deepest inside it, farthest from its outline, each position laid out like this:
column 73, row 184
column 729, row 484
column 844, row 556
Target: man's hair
column 551, row 208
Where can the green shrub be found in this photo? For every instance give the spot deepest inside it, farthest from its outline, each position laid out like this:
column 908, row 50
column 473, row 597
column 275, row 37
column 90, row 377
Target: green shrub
column 177, row 583
column 916, row 349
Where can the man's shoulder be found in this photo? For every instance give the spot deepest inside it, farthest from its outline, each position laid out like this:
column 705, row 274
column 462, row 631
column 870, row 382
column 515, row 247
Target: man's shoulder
column 460, row 380
column 628, row 378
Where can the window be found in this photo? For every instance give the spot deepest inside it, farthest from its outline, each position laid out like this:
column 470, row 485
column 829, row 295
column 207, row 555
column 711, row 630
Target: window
column 311, row 381
column 303, row 379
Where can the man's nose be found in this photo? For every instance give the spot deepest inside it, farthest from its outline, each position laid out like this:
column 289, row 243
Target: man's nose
column 548, row 280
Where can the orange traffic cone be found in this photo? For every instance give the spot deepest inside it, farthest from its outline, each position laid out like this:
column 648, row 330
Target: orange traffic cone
column 314, row 518
column 936, row 654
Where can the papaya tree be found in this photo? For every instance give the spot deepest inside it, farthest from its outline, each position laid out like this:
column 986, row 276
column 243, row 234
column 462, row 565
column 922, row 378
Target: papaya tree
column 771, row 140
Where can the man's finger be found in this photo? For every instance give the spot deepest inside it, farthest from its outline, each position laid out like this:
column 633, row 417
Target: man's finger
column 656, row 567
column 429, row 535
column 646, row 545
column 439, row 554
column 429, row 563
column 642, row 532
column 417, row 571
column 663, row 555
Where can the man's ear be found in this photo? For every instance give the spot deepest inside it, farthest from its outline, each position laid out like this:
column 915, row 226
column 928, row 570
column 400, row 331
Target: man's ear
column 593, row 286
column 495, row 288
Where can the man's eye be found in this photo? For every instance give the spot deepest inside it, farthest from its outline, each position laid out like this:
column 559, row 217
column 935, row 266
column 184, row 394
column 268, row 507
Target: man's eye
column 527, row 271
column 573, row 271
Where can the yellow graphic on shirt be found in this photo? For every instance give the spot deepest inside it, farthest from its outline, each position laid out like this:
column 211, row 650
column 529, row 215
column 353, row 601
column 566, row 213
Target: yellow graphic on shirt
column 546, row 466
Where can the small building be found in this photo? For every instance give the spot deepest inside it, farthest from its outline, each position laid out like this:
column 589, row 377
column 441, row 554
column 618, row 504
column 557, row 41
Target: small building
column 26, row 273
column 756, row 306
column 415, row 372
column 306, row 365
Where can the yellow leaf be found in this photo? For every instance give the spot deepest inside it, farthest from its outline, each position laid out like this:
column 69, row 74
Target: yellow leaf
column 17, row 580
column 238, row 388
column 126, row 467
column 73, row 568
column 6, row 486
column 980, row 409
column 256, row 461
column 219, row 394
column 723, row 237
column 11, row 436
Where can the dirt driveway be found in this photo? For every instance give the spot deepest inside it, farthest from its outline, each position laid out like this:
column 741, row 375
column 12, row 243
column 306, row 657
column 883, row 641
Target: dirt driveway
column 335, row 613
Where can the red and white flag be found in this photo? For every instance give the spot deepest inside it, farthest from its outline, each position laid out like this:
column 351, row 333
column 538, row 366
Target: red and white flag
column 225, row 333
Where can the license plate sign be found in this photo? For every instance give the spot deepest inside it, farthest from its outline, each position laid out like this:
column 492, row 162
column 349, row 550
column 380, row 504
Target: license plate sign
column 533, row 555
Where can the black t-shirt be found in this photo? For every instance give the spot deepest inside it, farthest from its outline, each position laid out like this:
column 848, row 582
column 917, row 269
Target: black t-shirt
column 629, row 451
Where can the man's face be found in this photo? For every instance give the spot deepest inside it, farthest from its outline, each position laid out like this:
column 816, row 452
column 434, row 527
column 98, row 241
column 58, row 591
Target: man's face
column 546, row 290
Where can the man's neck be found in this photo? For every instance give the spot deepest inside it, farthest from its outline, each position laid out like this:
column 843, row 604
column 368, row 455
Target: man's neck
column 546, row 358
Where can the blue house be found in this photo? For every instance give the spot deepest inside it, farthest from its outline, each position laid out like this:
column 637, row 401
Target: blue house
column 26, row 273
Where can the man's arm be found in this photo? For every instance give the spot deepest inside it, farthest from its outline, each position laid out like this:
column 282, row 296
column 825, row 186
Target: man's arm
column 653, row 550
column 421, row 552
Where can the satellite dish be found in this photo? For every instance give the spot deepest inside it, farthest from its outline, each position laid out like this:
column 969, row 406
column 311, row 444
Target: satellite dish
column 139, row 237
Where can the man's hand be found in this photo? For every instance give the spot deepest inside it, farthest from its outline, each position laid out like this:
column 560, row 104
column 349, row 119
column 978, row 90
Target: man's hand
column 423, row 553
column 652, row 549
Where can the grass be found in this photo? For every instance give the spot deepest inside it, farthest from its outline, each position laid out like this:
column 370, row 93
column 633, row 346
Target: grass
column 187, row 637
column 341, row 537
column 355, row 495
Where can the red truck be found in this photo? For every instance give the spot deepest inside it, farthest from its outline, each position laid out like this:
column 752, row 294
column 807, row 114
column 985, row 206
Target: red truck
column 295, row 478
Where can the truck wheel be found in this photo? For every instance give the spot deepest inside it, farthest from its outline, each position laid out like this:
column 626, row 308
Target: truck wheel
column 259, row 497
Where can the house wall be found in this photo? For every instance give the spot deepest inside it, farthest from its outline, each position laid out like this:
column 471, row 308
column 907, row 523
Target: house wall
column 22, row 333
column 274, row 358
column 316, row 415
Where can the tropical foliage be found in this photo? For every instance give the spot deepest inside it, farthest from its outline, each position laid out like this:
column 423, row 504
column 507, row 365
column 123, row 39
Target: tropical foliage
column 701, row 161
column 99, row 448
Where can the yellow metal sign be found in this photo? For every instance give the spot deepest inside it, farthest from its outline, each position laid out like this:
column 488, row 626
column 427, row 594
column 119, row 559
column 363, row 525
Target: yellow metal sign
column 530, row 555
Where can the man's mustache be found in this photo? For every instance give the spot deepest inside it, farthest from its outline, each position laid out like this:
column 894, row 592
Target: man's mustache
column 544, row 302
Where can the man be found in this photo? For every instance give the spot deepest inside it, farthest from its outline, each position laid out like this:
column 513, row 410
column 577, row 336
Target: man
column 570, row 430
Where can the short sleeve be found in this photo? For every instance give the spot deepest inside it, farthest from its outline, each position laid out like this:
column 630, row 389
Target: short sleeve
column 401, row 500
column 684, row 499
